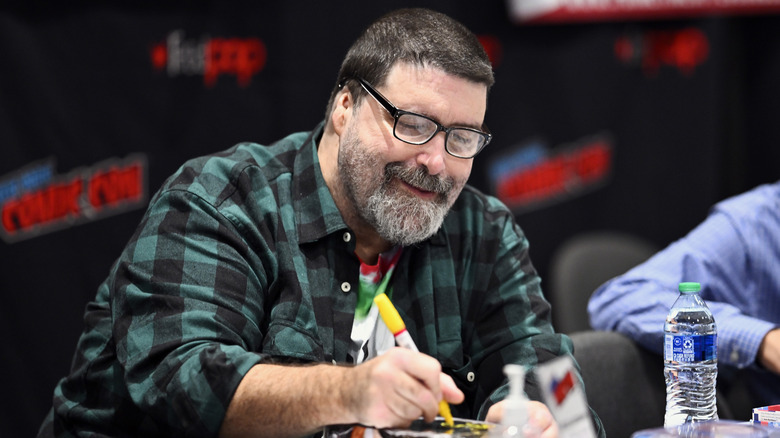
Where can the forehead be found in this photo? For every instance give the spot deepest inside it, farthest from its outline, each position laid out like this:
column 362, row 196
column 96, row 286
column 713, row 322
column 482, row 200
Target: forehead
column 434, row 93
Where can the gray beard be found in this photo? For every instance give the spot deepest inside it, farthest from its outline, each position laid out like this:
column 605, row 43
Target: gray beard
column 397, row 216
column 403, row 219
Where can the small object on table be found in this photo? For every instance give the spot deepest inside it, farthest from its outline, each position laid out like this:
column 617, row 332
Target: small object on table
column 461, row 428
column 767, row 416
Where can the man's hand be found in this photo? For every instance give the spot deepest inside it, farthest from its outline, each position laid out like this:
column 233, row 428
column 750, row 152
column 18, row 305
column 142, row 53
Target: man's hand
column 539, row 417
column 398, row 387
column 391, row 390
column 769, row 351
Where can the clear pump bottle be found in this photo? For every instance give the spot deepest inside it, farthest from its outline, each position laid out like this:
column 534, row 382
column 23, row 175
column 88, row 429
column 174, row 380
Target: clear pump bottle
column 514, row 421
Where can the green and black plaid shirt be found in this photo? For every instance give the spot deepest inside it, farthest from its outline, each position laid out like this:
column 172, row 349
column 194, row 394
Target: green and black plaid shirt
column 243, row 257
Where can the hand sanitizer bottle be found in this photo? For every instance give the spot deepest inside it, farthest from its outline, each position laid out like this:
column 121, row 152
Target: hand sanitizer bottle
column 514, row 421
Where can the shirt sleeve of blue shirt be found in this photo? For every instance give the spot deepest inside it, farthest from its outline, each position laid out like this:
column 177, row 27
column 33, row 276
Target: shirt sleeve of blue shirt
column 734, row 254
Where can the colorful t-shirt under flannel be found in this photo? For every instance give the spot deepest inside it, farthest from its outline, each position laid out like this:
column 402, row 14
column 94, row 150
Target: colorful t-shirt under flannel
column 243, row 258
column 370, row 336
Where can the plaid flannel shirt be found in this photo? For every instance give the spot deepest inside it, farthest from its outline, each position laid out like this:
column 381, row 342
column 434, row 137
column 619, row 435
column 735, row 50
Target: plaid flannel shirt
column 243, row 257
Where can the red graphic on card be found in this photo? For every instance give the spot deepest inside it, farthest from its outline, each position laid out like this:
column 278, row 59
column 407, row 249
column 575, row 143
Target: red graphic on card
column 562, row 387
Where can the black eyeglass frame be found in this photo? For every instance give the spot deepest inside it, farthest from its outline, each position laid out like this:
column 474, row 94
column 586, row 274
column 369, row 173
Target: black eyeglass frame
column 396, row 113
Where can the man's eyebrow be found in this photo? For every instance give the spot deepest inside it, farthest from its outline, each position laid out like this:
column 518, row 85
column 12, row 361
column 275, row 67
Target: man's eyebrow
column 451, row 125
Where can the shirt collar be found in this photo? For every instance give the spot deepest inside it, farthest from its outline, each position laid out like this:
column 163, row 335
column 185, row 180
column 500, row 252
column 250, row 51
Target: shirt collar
column 315, row 210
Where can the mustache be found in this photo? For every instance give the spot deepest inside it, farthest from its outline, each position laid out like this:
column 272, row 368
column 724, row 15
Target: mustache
column 419, row 177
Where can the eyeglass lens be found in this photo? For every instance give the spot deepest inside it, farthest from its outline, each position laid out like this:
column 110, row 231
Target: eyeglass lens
column 416, row 129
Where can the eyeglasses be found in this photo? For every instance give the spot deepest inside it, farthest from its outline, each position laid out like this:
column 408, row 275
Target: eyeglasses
column 417, row 129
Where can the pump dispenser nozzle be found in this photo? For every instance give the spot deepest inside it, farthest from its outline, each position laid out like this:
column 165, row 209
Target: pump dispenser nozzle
column 515, row 410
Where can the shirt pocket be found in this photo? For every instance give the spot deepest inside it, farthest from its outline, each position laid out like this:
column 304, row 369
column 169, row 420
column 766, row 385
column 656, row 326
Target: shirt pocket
column 464, row 376
column 466, row 379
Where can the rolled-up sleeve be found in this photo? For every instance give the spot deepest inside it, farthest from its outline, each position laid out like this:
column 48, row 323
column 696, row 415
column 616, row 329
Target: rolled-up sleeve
column 187, row 308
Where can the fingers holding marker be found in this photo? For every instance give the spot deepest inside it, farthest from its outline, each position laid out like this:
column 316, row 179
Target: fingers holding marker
column 397, row 389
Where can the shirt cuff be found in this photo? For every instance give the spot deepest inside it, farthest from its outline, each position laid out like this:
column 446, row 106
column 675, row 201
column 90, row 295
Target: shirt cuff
column 739, row 337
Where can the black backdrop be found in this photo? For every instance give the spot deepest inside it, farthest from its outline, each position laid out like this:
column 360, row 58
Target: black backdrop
column 120, row 93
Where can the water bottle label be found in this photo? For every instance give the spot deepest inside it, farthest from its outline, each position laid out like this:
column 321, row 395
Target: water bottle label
column 690, row 348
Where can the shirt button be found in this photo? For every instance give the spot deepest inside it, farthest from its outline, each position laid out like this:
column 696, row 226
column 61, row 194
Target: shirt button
column 346, row 287
column 347, row 237
column 734, row 356
column 470, row 376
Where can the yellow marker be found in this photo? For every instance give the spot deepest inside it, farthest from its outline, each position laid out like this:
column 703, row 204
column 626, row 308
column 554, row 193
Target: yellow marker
column 397, row 327
column 444, row 410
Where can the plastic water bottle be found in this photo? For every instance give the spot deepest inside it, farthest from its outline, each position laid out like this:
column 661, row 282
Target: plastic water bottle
column 690, row 359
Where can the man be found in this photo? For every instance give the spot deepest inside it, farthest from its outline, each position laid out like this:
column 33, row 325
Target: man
column 242, row 304
column 735, row 255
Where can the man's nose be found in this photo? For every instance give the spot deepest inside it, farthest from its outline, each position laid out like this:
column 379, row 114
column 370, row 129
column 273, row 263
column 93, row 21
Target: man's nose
column 433, row 153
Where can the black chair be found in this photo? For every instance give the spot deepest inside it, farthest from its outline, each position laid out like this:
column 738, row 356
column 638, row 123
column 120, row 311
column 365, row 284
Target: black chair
column 582, row 264
column 624, row 383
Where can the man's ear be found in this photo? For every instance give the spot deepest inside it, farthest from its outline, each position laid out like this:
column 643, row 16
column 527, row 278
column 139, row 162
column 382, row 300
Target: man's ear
column 342, row 111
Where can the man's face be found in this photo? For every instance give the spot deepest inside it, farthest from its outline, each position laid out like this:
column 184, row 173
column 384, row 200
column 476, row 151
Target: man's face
column 402, row 190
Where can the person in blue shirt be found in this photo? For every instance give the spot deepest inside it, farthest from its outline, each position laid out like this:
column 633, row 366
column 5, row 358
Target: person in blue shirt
column 735, row 255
